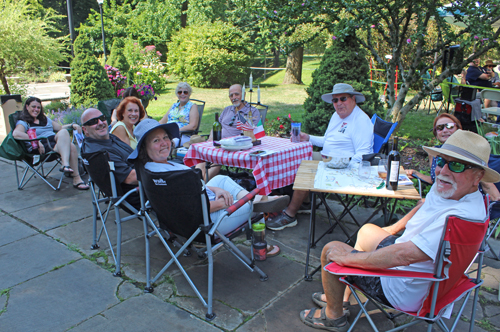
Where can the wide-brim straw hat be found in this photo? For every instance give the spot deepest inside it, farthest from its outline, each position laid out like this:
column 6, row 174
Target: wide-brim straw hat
column 489, row 63
column 144, row 127
column 469, row 147
column 343, row 88
column 193, row 139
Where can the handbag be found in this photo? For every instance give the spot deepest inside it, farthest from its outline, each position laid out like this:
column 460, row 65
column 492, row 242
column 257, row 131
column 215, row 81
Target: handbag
column 11, row 149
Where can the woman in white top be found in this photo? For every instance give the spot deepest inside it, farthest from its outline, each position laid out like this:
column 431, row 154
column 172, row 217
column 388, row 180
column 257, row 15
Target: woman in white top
column 128, row 114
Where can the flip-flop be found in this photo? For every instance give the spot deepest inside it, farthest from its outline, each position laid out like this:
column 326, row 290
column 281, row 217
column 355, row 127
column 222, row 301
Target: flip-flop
column 66, row 169
column 77, row 186
column 271, row 205
column 272, row 250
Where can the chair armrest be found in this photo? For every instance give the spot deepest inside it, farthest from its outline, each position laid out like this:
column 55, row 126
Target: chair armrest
column 130, row 192
column 30, row 139
column 189, row 132
column 334, row 268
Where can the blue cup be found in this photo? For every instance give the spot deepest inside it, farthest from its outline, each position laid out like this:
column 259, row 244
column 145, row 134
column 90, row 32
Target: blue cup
column 295, row 132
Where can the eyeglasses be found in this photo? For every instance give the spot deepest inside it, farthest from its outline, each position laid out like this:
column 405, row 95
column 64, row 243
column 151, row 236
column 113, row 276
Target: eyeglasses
column 336, row 100
column 449, row 125
column 95, row 121
column 232, row 120
column 454, row 166
column 183, row 92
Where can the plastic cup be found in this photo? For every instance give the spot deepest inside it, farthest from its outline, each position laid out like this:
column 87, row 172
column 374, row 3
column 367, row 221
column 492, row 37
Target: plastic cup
column 364, row 170
column 295, row 132
column 32, row 135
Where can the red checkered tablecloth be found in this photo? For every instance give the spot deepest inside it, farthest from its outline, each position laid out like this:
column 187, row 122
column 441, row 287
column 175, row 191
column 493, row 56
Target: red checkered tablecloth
column 272, row 171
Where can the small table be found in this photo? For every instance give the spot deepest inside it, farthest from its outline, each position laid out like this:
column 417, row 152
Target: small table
column 276, row 169
column 305, row 181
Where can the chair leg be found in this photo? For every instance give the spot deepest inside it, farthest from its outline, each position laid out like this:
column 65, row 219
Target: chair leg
column 118, row 272
column 210, row 315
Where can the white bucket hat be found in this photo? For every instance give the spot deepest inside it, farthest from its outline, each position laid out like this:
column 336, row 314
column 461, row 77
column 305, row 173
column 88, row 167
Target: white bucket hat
column 343, row 88
column 469, row 147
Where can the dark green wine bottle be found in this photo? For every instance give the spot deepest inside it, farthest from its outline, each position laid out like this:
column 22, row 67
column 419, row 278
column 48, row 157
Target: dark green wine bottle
column 217, row 129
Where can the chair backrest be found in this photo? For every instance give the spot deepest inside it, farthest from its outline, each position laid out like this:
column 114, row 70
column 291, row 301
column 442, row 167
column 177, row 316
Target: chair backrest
column 176, row 197
column 490, row 94
column 262, row 110
column 445, row 88
column 461, row 241
column 107, row 106
column 201, row 107
column 13, row 119
column 98, row 167
column 382, row 131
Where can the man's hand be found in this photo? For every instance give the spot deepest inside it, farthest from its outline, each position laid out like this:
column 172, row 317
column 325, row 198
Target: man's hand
column 304, row 137
column 338, row 252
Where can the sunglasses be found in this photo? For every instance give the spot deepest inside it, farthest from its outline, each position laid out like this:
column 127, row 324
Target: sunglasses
column 449, row 125
column 95, row 121
column 232, row 120
column 183, row 92
column 336, row 100
column 454, row 166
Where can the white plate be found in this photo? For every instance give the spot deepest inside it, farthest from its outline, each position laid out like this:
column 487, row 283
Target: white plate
column 237, row 147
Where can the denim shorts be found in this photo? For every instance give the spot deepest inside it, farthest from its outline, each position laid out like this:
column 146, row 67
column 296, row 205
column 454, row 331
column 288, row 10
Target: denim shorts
column 372, row 285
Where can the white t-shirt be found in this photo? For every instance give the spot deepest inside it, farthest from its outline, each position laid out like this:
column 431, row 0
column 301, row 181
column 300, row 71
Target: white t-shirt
column 425, row 230
column 349, row 137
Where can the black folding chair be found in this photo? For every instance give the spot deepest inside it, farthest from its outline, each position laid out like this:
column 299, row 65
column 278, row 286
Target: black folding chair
column 181, row 204
column 105, row 190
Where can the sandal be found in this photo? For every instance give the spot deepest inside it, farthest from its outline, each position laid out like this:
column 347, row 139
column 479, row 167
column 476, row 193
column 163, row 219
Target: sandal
column 66, row 169
column 78, row 186
column 271, row 205
column 316, row 297
column 324, row 323
column 272, row 251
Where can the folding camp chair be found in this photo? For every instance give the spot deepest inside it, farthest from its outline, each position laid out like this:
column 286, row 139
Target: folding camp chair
column 181, row 204
column 32, row 162
column 382, row 131
column 201, row 107
column 461, row 242
column 102, row 181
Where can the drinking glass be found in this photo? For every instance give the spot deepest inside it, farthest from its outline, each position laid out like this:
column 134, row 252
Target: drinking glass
column 364, row 170
column 295, row 132
column 382, row 168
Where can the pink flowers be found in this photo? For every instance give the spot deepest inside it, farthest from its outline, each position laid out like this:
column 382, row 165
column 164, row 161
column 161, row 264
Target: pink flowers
column 278, row 118
column 334, row 37
column 275, row 12
column 476, row 37
column 289, row 116
column 408, row 40
column 303, row 4
column 150, row 48
column 281, row 126
column 373, row 26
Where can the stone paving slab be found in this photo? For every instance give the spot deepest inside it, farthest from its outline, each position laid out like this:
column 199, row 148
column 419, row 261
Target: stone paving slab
column 60, row 299
column 53, row 214
column 13, row 230
column 155, row 316
column 31, row 257
column 80, row 233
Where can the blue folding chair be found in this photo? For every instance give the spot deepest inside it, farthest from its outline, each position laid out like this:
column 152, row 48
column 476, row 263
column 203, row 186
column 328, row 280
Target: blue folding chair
column 494, row 163
column 382, row 131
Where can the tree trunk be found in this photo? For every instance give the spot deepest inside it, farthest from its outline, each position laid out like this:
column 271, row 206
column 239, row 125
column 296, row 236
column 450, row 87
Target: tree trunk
column 5, row 84
column 276, row 60
column 184, row 9
column 293, row 74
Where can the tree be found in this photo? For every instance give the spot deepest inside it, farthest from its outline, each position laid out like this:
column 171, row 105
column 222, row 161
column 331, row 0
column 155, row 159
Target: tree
column 90, row 81
column 403, row 27
column 342, row 63
column 117, row 58
column 24, row 39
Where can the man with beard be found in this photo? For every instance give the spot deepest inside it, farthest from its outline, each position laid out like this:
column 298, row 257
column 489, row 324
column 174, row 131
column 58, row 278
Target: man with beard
column 98, row 138
column 461, row 164
column 240, row 108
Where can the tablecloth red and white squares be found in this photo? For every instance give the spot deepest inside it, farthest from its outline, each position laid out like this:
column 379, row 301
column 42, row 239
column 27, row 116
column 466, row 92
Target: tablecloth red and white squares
column 271, row 172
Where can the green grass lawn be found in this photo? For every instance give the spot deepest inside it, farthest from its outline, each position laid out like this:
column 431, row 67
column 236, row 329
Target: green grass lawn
column 282, row 100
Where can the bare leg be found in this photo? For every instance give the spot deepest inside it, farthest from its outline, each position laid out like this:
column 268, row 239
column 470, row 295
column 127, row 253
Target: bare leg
column 332, row 287
column 62, row 147
column 297, row 199
column 73, row 162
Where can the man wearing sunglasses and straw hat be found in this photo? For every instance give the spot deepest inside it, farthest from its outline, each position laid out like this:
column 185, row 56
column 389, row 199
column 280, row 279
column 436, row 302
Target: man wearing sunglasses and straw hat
column 461, row 165
column 349, row 135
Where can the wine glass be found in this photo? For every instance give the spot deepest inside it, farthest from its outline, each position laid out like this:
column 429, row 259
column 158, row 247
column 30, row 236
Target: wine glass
column 364, row 169
column 382, row 168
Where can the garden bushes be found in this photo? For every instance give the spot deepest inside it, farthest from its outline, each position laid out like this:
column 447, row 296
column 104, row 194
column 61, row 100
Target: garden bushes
column 212, row 55
column 89, row 81
column 343, row 62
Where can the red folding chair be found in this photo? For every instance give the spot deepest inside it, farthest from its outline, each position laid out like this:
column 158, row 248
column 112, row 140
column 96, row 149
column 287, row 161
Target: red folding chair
column 461, row 241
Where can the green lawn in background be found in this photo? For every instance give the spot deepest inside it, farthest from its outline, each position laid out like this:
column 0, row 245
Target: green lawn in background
column 281, row 99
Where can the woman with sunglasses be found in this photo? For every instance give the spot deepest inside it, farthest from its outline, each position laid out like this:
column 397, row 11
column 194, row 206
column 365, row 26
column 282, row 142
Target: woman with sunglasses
column 33, row 117
column 184, row 113
column 128, row 114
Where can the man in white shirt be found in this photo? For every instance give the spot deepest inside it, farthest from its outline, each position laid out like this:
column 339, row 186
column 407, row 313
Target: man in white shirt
column 349, row 134
column 461, row 165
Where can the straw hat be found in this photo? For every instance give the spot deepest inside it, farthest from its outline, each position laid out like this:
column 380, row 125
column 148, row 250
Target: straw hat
column 193, row 139
column 144, row 127
column 489, row 63
column 469, row 147
column 343, row 88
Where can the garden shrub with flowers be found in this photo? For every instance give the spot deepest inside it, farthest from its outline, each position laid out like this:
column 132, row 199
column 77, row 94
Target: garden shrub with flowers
column 115, row 77
column 281, row 126
column 148, row 69
column 146, row 92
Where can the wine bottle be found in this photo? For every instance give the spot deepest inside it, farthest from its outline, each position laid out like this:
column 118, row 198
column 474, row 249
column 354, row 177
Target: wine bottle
column 393, row 166
column 217, row 129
